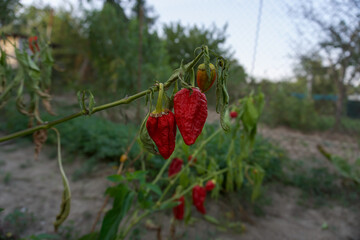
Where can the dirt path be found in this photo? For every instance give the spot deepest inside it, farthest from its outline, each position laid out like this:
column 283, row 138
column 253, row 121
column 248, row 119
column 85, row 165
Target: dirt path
column 36, row 186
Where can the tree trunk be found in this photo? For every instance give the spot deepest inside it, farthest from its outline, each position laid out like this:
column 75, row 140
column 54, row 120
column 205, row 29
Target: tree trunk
column 141, row 13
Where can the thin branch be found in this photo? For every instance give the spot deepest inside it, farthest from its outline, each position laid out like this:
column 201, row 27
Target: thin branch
column 125, row 100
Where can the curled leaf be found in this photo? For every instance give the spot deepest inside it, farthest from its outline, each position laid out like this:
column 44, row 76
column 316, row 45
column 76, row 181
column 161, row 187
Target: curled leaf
column 222, row 96
column 66, row 196
column 82, row 97
column 145, row 139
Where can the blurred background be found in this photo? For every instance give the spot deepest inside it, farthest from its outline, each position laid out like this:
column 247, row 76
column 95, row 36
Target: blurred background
column 303, row 55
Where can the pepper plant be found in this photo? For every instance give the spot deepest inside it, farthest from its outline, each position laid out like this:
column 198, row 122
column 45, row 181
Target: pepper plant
column 135, row 195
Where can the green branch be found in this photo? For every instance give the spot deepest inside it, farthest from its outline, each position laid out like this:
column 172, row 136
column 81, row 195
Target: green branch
column 126, row 100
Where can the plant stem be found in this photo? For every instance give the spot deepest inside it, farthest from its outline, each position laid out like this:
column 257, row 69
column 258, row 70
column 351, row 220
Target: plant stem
column 176, row 196
column 160, row 98
column 173, row 181
column 132, row 224
column 125, row 100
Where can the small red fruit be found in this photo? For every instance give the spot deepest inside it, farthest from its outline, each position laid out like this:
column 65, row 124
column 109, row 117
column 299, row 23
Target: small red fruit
column 233, row 114
column 210, row 185
column 33, row 41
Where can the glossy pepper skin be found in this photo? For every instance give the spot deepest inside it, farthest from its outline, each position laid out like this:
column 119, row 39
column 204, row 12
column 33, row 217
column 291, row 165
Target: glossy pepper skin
column 162, row 130
column 198, row 196
column 179, row 209
column 33, row 42
column 202, row 79
column 190, row 113
column 175, row 166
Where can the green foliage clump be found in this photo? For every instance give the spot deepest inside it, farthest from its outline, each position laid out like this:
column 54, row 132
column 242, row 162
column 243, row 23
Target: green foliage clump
column 283, row 109
column 93, row 136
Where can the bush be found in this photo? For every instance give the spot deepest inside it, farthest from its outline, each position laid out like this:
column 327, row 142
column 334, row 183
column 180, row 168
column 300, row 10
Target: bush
column 91, row 136
column 282, row 109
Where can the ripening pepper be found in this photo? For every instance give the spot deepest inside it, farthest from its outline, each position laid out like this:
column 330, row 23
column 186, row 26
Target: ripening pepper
column 175, row 166
column 161, row 127
column 33, row 41
column 198, row 196
column 233, row 114
column 202, row 79
column 179, row 209
column 190, row 113
column 210, row 185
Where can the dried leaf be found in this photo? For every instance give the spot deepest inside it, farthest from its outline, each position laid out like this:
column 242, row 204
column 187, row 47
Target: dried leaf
column 39, row 137
column 47, row 105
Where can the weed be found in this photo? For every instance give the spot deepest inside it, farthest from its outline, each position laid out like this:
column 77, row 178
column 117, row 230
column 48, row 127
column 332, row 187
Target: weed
column 16, row 223
column 7, row 178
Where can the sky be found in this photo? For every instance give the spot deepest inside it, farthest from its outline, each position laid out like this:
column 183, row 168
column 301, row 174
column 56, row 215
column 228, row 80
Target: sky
column 277, row 36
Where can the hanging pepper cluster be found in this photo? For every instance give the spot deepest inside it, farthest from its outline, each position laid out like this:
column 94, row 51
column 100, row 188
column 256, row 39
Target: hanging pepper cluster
column 189, row 104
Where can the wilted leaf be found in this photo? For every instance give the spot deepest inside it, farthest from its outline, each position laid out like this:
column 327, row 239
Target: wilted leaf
column 39, row 137
column 66, row 196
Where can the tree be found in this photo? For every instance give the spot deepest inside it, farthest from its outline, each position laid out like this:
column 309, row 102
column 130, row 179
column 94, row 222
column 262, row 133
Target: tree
column 8, row 11
column 114, row 46
column 338, row 23
column 180, row 39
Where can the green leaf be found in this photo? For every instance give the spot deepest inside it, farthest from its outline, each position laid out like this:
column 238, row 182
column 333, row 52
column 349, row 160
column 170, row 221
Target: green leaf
column 66, row 196
column 137, row 175
column 211, row 219
column 31, row 64
column 1, row 209
column 155, row 188
column 145, row 139
column 144, row 199
column 116, row 178
column 91, row 102
column 80, row 97
column 123, row 198
column 168, row 205
column 45, row 236
column 90, row 236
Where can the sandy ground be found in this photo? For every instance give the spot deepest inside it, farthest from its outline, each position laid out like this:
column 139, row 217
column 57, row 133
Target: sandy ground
column 36, row 186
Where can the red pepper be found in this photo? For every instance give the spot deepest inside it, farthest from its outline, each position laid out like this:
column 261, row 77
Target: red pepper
column 202, row 78
column 190, row 113
column 33, row 41
column 175, row 166
column 233, row 114
column 210, row 185
column 198, row 196
column 179, row 209
column 161, row 127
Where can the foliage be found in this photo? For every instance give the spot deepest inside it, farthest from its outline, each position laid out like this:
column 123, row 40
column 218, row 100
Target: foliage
column 7, row 11
column 114, row 41
column 16, row 223
column 286, row 110
column 181, row 41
